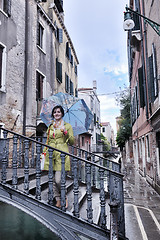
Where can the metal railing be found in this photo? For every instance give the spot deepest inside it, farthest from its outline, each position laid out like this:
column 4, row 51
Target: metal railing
column 17, row 151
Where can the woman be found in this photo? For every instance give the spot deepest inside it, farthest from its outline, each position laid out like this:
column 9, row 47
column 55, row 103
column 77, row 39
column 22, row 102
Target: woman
column 59, row 135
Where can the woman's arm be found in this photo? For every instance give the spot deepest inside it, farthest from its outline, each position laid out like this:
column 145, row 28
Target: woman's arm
column 70, row 137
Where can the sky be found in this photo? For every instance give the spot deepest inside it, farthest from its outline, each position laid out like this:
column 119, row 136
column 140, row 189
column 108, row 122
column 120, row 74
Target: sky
column 96, row 30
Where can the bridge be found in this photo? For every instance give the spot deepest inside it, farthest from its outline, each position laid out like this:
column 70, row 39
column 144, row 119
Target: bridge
column 94, row 190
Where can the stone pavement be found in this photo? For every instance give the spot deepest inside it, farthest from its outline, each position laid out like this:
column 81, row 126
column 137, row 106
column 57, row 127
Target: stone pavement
column 142, row 206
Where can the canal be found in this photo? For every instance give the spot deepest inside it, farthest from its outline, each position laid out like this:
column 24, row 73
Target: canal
column 17, row 225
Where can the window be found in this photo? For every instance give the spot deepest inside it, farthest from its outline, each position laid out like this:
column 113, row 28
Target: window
column 72, row 60
column 94, row 119
column 1, row 131
column 40, row 36
column 58, row 70
column 147, row 148
column 5, row 5
column 2, row 67
column 76, row 93
column 154, row 71
column 141, row 87
column 152, row 80
column 66, row 83
column 39, row 86
column 83, row 141
column 68, row 51
column 103, row 129
column 75, row 69
column 60, row 35
column 71, row 88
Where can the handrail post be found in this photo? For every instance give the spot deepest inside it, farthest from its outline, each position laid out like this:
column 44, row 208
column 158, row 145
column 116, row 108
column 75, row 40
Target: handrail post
column 63, row 183
column 38, row 172
column 116, row 194
column 102, row 198
column 50, row 177
column 4, row 158
column 89, row 193
column 94, row 172
column 14, row 163
column 20, row 153
column 26, row 167
column 113, row 221
column 76, row 188
column 32, row 160
column 79, row 166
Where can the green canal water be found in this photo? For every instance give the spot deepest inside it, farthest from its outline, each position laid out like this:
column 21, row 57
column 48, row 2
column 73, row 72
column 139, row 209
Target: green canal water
column 17, row 225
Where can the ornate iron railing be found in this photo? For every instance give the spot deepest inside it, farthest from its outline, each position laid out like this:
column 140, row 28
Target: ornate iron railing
column 18, row 151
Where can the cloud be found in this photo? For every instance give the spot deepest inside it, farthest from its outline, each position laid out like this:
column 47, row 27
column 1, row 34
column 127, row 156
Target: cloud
column 116, row 69
column 107, row 102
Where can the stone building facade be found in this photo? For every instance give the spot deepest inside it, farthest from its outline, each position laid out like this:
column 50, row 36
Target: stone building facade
column 144, row 72
column 92, row 101
column 37, row 60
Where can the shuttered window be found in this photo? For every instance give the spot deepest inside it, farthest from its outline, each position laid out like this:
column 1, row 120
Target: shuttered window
column 151, row 81
column 94, row 119
column 71, row 88
column 155, row 70
column 76, row 93
column 58, row 70
column 141, row 87
column 2, row 67
column 68, row 51
column 5, row 5
column 60, row 35
column 67, row 83
column 39, row 86
column 40, row 35
column 1, row 55
column 75, row 69
column 137, row 100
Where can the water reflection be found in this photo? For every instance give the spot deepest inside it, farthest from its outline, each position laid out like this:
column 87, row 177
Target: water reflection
column 15, row 224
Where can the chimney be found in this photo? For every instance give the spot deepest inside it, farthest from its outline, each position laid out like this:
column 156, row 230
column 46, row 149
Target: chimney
column 94, row 85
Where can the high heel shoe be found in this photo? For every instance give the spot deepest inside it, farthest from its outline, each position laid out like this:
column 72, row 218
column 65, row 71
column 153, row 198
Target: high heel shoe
column 58, row 204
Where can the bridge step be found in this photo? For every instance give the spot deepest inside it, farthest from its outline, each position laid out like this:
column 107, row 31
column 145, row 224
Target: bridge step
column 69, row 190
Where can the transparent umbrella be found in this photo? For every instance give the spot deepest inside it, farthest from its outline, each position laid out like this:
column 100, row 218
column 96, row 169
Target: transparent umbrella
column 76, row 111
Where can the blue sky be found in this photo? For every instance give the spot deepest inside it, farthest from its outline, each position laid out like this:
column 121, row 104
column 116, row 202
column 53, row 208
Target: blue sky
column 96, row 30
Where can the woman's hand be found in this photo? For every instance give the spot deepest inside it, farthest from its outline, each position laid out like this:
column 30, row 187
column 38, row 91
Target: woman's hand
column 64, row 131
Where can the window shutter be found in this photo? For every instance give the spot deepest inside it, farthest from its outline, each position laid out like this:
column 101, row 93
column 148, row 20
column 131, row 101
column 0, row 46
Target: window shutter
column 141, row 87
column 151, row 80
column 67, row 49
column 72, row 60
column 75, row 69
column 155, row 70
column 60, row 35
column 66, row 83
column 1, row 54
column 41, row 86
column 58, row 70
column 76, row 93
column 137, row 100
column 71, row 87
column 7, row 7
column 94, row 119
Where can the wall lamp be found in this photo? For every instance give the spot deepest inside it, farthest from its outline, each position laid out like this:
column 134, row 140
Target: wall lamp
column 129, row 23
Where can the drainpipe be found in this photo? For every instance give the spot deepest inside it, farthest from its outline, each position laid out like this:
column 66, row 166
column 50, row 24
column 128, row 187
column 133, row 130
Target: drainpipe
column 144, row 75
column 25, row 67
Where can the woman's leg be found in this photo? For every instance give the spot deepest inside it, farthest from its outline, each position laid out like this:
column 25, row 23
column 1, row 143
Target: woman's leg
column 57, row 187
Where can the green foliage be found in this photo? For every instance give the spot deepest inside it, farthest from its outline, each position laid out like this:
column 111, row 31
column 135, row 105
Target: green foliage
column 125, row 129
column 105, row 143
